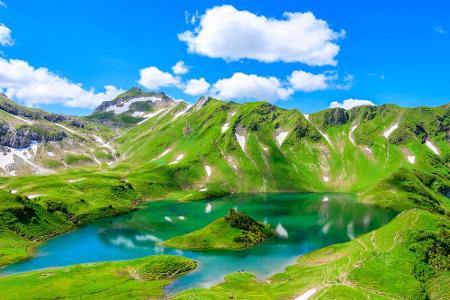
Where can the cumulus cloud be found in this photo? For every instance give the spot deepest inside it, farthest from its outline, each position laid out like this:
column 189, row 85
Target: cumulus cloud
column 308, row 82
column 195, row 87
column 350, row 103
column 5, row 36
column 153, row 78
column 231, row 34
column 21, row 81
column 180, row 68
column 244, row 86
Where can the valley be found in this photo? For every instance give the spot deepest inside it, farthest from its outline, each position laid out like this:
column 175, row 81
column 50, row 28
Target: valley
column 60, row 172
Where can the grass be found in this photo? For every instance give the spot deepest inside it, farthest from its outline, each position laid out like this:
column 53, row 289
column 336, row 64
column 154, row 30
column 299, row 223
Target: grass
column 378, row 265
column 132, row 279
column 235, row 231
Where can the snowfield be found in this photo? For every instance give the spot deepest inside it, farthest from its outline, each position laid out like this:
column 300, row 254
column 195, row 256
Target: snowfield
column 388, row 132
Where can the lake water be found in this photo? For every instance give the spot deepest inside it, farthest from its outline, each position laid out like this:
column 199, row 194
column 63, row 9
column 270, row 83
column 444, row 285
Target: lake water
column 303, row 223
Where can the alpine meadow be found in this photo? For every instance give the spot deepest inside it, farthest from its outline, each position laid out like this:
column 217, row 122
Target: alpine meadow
column 236, row 162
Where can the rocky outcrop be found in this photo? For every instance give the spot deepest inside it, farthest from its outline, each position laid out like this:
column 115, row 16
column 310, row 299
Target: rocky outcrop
column 336, row 116
column 24, row 136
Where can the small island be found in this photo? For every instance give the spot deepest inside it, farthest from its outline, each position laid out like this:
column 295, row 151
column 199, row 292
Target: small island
column 235, row 231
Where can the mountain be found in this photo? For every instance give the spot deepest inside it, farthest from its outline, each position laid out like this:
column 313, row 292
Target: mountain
column 36, row 142
column 131, row 108
column 143, row 146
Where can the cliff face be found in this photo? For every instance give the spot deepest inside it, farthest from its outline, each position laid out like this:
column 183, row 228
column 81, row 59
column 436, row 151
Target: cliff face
column 24, row 136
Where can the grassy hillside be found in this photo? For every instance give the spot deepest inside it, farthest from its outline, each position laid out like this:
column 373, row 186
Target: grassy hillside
column 235, row 231
column 406, row 259
column 133, row 279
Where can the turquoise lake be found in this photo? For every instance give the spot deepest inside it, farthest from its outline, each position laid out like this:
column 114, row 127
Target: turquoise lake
column 303, row 223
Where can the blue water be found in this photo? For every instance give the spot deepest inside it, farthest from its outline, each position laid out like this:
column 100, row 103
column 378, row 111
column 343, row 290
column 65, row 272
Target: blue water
column 309, row 221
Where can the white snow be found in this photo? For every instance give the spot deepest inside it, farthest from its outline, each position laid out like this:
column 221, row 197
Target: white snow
column 306, row 295
column 51, row 154
column 138, row 114
column 13, row 192
column 122, row 107
column 208, row 170
column 177, row 160
column 326, row 137
column 225, row 127
column 306, row 116
column 182, row 218
column 162, row 154
column 26, row 154
column 411, row 159
column 325, row 199
column 168, row 219
column 281, row 136
column 150, row 115
column 350, row 135
column 388, row 132
column 326, row 178
column 241, row 141
column 208, row 208
column 281, row 231
column 203, row 189
column 103, row 144
column 179, row 114
column 75, row 180
column 265, row 148
column 33, row 196
column 432, row 147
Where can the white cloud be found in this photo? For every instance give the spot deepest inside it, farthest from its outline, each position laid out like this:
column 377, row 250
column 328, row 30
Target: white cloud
column 3, row 4
column 5, row 36
column 195, row 87
column 225, row 32
column 153, row 78
column 308, row 82
column 21, row 81
column 243, row 86
column 350, row 103
column 180, row 68
column 439, row 29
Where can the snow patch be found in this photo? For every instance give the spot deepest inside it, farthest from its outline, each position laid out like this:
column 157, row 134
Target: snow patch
column 368, row 150
column 138, row 114
column 208, row 170
column 13, row 191
column 51, row 154
column 411, row 159
column 8, row 158
column 281, row 231
column 168, row 219
column 350, row 135
column 33, row 196
column 306, row 295
column 326, row 178
column 150, row 115
column 388, row 132
column 203, row 189
column 225, row 127
column 306, row 116
column 162, row 154
column 178, row 159
column 432, row 147
column 75, row 180
column 281, row 136
column 182, row 218
column 241, row 141
column 184, row 111
column 122, row 107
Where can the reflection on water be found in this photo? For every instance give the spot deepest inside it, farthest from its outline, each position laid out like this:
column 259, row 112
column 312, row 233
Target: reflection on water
column 302, row 223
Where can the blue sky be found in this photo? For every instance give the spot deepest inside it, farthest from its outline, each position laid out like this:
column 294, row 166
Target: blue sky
column 390, row 53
